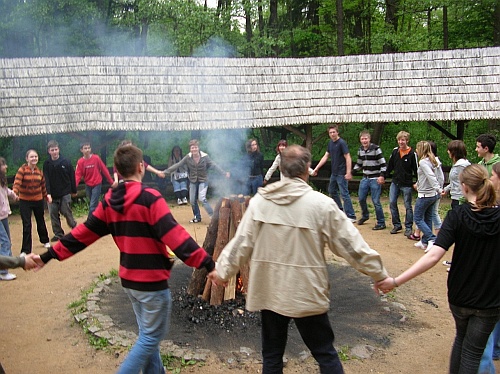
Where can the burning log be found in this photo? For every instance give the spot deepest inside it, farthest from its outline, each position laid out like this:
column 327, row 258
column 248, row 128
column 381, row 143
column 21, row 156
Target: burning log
column 225, row 221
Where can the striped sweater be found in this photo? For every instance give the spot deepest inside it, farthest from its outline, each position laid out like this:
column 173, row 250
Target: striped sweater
column 371, row 161
column 29, row 184
column 142, row 226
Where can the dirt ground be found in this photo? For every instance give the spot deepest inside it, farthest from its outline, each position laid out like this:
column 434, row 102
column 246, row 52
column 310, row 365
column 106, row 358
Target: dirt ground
column 39, row 335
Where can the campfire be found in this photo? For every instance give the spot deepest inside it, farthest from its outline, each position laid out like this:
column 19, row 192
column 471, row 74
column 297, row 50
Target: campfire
column 227, row 216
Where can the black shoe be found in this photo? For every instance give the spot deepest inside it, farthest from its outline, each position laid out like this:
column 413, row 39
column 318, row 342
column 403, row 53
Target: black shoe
column 408, row 233
column 396, row 229
column 195, row 220
column 379, row 227
column 362, row 221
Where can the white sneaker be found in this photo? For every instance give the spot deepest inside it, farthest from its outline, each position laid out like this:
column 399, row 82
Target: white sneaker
column 46, row 245
column 179, row 202
column 353, row 220
column 7, row 277
column 23, row 254
column 429, row 246
column 419, row 244
column 446, row 263
column 185, row 200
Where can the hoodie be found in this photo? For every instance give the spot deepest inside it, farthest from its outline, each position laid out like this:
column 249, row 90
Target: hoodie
column 454, row 186
column 142, row 225
column 489, row 164
column 282, row 236
column 473, row 281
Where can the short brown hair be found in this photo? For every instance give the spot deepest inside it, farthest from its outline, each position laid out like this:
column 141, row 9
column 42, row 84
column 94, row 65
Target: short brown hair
column 457, row 150
column 52, row 144
column 194, row 142
column 126, row 159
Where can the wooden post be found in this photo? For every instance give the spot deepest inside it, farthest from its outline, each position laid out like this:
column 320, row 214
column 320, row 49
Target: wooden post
column 217, row 292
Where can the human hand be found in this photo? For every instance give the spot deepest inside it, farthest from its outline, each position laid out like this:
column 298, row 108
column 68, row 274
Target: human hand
column 114, row 184
column 216, row 280
column 386, row 285
column 348, row 176
column 228, row 174
column 264, row 182
column 33, row 262
column 380, row 180
column 49, row 199
column 161, row 174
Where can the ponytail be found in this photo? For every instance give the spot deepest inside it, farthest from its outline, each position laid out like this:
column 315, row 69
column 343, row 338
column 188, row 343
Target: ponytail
column 475, row 177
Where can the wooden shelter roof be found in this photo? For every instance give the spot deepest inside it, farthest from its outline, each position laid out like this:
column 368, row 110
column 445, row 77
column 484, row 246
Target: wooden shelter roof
column 69, row 94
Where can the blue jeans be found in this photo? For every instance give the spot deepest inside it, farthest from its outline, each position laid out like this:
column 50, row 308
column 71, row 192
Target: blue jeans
column 198, row 191
column 152, row 310
column 180, row 188
column 338, row 182
column 436, row 220
column 253, row 183
column 63, row 205
column 370, row 185
column 5, row 244
column 424, row 209
column 474, row 327
column 316, row 332
column 492, row 350
column 407, row 192
column 93, row 194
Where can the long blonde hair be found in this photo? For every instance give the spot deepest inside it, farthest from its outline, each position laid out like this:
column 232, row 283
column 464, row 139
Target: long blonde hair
column 424, row 151
column 476, row 178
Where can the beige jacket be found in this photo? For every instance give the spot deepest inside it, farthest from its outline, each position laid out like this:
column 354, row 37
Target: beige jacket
column 283, row 234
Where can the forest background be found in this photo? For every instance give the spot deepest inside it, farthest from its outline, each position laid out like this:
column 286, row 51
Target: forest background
column 244, row 28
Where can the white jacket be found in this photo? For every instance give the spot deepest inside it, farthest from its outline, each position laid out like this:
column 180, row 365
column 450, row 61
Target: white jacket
column 283, row 235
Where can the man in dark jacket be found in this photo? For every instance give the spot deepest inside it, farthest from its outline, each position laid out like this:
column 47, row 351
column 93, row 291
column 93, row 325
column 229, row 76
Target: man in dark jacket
column 60, row 183
column 403, row 162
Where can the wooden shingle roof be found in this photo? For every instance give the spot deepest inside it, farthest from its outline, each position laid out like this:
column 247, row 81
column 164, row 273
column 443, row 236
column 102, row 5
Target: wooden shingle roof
column 68, row 94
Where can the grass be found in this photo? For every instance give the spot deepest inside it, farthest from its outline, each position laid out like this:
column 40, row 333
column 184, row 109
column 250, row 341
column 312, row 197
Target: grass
column 175, row 364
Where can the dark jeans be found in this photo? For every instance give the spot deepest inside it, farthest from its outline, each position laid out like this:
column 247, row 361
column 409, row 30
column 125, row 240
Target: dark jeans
column 316, row 332
column 407, row 193
column 61, row 205
column 25, row 209
column 93, row 194
column 474, row 327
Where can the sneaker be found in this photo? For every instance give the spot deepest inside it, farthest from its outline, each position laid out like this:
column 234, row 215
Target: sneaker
column 396, row 229
column 179, row 202
column 195, row 220
column 184, row 200
column 429, row 246
column 420, row 245
column 7, row 277
column 23, row 254
column 46, row 245
column 362, row 221
column 447, row 263
column 408, row 233
column 379, row 227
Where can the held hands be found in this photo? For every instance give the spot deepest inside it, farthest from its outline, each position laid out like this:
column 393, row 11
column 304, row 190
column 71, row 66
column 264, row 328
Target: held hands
column 216, row 280
column 385, row 285
column 33, row 262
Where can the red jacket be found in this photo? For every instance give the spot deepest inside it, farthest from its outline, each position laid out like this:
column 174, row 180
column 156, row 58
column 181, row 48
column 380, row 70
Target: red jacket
column 142, row 225
column 92, row 170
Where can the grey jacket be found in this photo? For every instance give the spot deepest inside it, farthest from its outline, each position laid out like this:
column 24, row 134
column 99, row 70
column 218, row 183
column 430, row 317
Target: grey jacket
column 198, row 172
column 430, row 178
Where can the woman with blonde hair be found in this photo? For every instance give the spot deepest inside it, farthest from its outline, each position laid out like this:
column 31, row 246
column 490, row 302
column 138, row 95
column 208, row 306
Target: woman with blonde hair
column 429, row 190
column 473, row 282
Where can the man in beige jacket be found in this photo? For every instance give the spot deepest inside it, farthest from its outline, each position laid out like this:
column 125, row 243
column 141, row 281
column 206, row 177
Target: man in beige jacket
column 283, row 235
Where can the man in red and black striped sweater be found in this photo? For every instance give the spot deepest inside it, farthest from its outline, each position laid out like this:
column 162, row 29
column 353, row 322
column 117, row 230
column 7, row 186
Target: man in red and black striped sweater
column 142, row 226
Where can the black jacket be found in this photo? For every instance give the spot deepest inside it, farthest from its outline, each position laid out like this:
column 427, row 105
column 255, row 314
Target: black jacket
column 59, row 177
column 405, row 169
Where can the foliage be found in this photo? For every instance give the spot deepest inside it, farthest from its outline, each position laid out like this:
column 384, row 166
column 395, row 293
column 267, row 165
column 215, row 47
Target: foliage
column 176, row 364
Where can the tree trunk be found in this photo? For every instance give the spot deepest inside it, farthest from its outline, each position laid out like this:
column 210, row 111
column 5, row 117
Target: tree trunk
column 391, row 22
column 378, row 129
column 445, row 27
column 340, row 28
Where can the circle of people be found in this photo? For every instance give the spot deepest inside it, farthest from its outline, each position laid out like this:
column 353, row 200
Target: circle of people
column 472, row 226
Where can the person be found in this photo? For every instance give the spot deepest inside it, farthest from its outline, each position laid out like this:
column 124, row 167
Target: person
column 485, row 146
column 142, row 225
column 492, row 350
column 458, row 154
column 179, row 177
column 403, row 164
column 282, row 144
column 26, row 262
column 303, row 222
column 253, row 163
column 372, row 162
column 91, row 168
column 60, row 183
column 341, row 165
column 197, row 163
column 5, row 194
column 473, row 282
column 436, row 219
column 428, row 191
column 29, row 185
column 117, row 178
